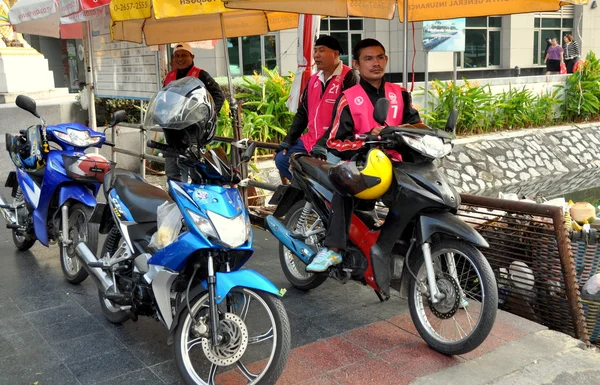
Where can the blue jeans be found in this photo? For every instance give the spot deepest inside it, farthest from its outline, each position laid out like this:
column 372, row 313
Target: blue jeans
column 283, row 161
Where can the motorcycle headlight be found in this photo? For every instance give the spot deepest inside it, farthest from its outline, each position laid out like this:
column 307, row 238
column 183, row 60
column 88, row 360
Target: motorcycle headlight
column 428, row 145
column 77, row 138
column 231, row 232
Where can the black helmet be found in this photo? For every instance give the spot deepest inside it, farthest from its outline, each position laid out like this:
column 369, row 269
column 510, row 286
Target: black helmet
column 183, row 108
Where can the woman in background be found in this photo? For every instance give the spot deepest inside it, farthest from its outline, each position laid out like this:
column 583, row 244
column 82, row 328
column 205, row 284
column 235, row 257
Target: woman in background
column 554, row 57
column 571, row 52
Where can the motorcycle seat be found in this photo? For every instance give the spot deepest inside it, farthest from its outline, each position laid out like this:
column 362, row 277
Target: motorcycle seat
column 141, row 198
column 112, row 175
column 315, row 168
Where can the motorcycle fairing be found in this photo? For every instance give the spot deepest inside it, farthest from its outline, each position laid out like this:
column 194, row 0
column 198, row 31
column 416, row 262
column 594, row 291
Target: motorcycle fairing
column 75, row 126
column 31, row 191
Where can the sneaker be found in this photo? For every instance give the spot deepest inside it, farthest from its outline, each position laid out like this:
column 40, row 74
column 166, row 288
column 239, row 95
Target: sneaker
column 323, row 260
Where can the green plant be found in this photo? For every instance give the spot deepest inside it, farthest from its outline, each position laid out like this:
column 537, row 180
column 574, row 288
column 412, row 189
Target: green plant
column 580, row 99
column 512, row 109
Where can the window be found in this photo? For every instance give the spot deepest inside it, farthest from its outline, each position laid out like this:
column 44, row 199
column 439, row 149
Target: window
column 548, row 25
column 250, row 53
column 348, row 31
column 482, row 43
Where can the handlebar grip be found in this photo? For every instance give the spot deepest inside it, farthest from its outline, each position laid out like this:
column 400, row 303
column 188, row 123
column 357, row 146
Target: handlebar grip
column 158, row 146
column 367, row 137
column 107, row 143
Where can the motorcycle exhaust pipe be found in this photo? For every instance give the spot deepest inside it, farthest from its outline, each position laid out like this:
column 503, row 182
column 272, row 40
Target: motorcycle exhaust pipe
column 103, row 280
column 296, row 246
column 7, row 213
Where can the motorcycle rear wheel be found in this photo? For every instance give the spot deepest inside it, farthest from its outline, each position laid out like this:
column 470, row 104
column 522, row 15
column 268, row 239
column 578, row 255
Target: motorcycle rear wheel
column 23, row 242
column 79, row 229
column 293, row 268
column 262, row 342
column 112, row 313
column 468, row 312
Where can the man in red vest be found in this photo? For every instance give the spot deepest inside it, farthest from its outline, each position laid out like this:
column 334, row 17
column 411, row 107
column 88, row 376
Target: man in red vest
column 316, row 105
column 182, row 62
column 353, row 114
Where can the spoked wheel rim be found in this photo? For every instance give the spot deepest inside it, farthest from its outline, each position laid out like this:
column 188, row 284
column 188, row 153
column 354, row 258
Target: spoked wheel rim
column 294, row 265
column 77, row 233
column 242, row 332
column 454, row 318
column 19, row 237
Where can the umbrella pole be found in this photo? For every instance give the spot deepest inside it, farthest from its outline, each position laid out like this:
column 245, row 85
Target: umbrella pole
column 405, row 26
column 90, row 83
column 233, row 108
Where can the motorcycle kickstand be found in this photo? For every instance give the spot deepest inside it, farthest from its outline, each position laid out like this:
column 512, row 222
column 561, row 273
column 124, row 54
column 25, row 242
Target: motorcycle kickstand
column 381, row 297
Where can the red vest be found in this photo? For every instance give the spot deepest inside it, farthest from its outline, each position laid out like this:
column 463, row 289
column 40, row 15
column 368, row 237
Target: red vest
column 172, row 75
column 320, row 106
column 362, row 109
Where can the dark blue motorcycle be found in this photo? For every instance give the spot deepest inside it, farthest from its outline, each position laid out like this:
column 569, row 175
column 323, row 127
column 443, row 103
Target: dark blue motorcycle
column 54, row 188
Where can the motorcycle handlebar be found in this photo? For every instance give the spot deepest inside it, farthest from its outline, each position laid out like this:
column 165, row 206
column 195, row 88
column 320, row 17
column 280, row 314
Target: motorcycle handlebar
column 167, row 151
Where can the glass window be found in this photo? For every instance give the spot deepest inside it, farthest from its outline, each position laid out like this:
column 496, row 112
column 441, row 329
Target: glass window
column 338, row 24
column 567, row 23
column 494, row 48
column 476, row 22
column 233, row 47
column 325, row 24
column 347, row 37
column 550, row 23
column 536, row 23
column 482, row 43
column 536, row 47
column 475, row 48
column 270, row 46
column 250, row 53
column 495, row 22
column 342, row 37
column 356, row 37
column 356, row 24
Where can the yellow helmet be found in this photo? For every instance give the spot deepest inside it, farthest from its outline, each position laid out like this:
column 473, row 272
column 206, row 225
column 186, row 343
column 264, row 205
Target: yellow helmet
column 369, row 183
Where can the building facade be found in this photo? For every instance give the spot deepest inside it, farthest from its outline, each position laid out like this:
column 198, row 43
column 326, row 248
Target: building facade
column 499, row 46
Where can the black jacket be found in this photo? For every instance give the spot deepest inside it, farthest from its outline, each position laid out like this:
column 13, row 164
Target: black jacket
column 210, row 83
column 344, row 133
column 300, row 122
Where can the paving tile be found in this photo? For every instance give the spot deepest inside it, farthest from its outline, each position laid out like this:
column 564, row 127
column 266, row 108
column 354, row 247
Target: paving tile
column 330, row 354
column 77, row 349
column 404, row 322
column 105, row 366
column 418, row 359
column 41, row 299
column 56, row 374
column 53, row 315
column 27, row 344
column 304, row 332
column 9, row 309
column 167, row 372
column 379, row 337
column 340, row 321
column 297, row 370
column 491, row 342
column 370, row 371
column 320, row 380
column 152, row 352
column 139, row 377
column 70, row 329
column 14, row 324
column 145, row 329
column 507, row 331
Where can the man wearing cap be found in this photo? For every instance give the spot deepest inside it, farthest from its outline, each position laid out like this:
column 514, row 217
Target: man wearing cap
column 353, row 114
column 182, row 62
column 316, row 105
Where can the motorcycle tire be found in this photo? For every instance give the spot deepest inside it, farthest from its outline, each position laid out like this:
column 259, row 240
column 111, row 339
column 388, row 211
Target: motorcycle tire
column 111, row 313
column 22, row 242
column 71, row 265
column 480, row 293
column 274, row 363
column 293, row 268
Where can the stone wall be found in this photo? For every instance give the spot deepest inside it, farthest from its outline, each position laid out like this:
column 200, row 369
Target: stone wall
column 526, row 161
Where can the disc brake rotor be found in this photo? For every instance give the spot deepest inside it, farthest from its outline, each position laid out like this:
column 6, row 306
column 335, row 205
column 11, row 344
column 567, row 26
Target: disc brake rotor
column 447, row 307
column 235, row 342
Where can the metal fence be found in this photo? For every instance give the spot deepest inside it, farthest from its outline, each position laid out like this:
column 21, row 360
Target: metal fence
column 530, row 252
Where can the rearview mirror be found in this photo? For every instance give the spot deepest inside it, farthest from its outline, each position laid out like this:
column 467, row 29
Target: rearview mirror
column 249, row 152
column 380, row 113
column 118, row 117
column 451, row 123
column 28, row 104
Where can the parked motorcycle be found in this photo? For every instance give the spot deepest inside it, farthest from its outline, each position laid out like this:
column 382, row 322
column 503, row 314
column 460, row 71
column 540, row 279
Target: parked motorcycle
column 54, row 189
column 422, row 249
column 216, row 313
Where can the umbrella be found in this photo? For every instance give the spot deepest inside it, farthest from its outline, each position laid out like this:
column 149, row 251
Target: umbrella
column 308, row 30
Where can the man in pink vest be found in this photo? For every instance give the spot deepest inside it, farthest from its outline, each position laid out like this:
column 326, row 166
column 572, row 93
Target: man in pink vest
column 316, row 106
column 182, row 62
column 353, row 114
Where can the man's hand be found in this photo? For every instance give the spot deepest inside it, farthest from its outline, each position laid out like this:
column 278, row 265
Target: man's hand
column 319, row 152
column 283, row 146
column 376, row 130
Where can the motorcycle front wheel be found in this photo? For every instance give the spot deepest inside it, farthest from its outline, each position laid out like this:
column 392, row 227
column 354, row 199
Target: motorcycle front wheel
column 254, row 348
column 463, row 319
column 79, row 229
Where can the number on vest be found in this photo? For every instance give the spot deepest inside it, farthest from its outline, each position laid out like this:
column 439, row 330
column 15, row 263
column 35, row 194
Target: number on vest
column 395, row 108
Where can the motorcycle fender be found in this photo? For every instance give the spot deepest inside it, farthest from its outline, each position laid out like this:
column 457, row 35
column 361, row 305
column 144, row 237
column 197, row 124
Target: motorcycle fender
column 449, row 224
column 76, row 192
column 285, row 197
column 103, row 216
column 225, row 282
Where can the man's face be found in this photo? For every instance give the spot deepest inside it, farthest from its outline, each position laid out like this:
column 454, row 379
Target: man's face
column 182, row 59
column 371, row 63
column 324, row 57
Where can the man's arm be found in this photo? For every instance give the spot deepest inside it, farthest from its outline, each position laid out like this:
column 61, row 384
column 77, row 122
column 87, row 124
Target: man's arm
column 351, row 79
column 213, row 88
column 300, row 120
column 339, row 139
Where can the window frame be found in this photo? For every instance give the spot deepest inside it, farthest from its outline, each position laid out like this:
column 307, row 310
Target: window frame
column 461, row 56
column 538, row 57
column 262, row 53
column 350, row 32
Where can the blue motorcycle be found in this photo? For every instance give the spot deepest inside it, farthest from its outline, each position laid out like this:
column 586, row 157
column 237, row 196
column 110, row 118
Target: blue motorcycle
column 54, row 188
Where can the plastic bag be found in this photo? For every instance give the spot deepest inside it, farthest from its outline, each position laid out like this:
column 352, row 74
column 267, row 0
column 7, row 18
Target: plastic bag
column 563, row 68
column 591, row 288
column 169, row 225
column 84, row 98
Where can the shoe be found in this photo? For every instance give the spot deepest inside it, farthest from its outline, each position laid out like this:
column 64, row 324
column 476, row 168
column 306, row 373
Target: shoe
column 323, row 260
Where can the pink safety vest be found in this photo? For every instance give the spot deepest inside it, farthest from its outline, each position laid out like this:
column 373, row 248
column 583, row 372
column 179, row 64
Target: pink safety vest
column 320, row 106
column 362, row 109
column 172, row 75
